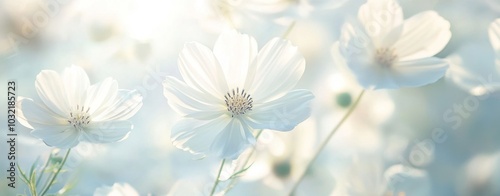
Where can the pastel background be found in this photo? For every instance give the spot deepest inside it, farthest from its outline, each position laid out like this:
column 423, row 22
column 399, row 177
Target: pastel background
column 138, row 42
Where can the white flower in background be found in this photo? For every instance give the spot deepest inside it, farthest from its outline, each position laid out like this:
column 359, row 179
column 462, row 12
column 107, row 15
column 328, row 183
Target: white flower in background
column 116, row 190
column 234, row 89
column 367, row 176
column 242, row 13
column 71, row 110
column 383, row 51
column 479, row 176
column 475, row 66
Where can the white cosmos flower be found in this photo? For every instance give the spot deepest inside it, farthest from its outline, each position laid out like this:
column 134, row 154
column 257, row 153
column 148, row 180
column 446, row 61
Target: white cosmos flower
column 118, row 189
column 383, row 51
column 234, row 89
column 71, row 110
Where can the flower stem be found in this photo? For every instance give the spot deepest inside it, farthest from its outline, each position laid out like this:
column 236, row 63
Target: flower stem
column 43, row 169
column 53, row 178
column 289, row 29
column 322, row 146
column 217, row 178
column 244, row 165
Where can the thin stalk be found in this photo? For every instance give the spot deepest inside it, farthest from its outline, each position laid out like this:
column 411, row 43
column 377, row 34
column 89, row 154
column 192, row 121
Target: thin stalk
column 53, row 178
column 218, row 176
column 325, row 142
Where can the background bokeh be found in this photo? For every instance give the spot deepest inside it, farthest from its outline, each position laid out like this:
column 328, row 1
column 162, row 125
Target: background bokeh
column 406, row 133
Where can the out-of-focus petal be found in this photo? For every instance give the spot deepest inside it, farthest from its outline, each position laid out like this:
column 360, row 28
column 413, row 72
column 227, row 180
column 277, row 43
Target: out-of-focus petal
column 419, row 72
column 424, row 35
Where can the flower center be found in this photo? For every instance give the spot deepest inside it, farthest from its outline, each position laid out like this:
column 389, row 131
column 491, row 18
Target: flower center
column 79, row 118
column 238, row 102
column 385, row 56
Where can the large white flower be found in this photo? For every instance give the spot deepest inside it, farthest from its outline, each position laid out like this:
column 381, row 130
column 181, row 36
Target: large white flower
column 71, row 110
column 383, row 51
column 234, row 89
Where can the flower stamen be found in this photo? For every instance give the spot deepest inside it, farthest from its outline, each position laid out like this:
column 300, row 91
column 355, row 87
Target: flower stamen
column 385, row 57
column 238, row 102
column 79, row 118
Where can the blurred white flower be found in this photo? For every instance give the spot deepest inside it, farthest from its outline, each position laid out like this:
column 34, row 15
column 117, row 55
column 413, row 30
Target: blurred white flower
column 475, row 67
column 71, row 110
column 234, row 89
column 480, row 176
column 385, row 52
column 369, row 176
column 216, row 14
column 117, row 189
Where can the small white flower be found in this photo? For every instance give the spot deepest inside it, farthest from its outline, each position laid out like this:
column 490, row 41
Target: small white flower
column 234, row 89
column 71, row 110
column 494, row 33
column 116, row 190
column 383, row 51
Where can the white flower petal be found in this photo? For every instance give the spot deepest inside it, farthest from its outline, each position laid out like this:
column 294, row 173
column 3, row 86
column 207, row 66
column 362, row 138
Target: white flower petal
column 57, row 136
column 494, row 33
column 190, row 102
column 424, row 35
column 76, row 82
column 32, row 115
column 201, row 70
column 196, row 136
column 419, row 72
column 232, row 140
column 100, row 95
column 277, row 68
column 235, row 52
column 106, row 132
column 380, row 18
column 126, row 104
column 282, row 114
column 50, row 88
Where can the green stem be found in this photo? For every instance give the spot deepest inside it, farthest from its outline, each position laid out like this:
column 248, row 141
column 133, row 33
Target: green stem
column 289, row 29
column 322, row 146
column 53, row 178
column 218, row 176
column 43, row 169
column 244, row 165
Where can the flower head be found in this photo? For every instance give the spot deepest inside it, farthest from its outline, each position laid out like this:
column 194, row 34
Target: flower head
column 383, row 51
column 234, row 89
column 71, row 110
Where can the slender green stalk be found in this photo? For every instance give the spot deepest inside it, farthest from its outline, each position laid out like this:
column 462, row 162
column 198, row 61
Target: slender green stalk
column 244, row 165
column 289, row 29
column 218, row 176
column 53, row 178
column 325, row 142
column 43, row 169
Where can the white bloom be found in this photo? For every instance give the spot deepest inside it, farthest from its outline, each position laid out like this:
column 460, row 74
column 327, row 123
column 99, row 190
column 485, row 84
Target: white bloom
column 234, row 89
column 116, row 190
column 71, row 110
column 383, row 51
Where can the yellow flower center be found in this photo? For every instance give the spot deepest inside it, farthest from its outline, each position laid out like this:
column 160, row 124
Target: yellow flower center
column 238, row 102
